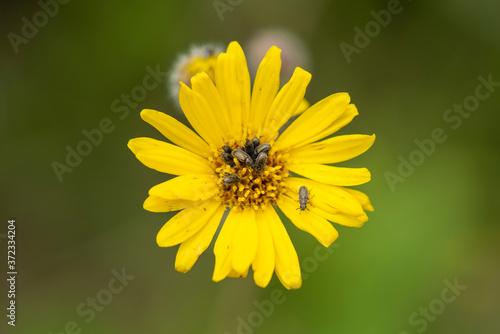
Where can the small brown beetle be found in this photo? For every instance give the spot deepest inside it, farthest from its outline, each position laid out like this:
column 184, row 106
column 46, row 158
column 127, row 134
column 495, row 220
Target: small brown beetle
column 262, row 148
column 260, row 162
column 228, row 159
column 231, row 179
column 242, row 156
column 255, row 141
column 249, row 148
column 303, row 197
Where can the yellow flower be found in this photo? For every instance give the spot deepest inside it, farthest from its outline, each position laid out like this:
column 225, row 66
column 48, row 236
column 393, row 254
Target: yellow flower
column 227, row 114
column 202, row 58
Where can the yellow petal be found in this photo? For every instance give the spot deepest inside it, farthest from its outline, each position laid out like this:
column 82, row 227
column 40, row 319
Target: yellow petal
column 200, row 115
column 264, row 262
column 333, row 199
column 342, row 218
column 349, row 113
column 243, row 79
column 158, row 204
column 336, row 149
column 168, row 158
column 309, row 222
column 316, row 119
column 191, row 249
column 363, row 199
column 339, row 176
column 203, row 85
column 265, row 87
column 175, row 131
column 244, row 241
column 223, row 248
column 302, row 107
column 186, row 223
column 233, row 273
column 285, row 104
column 287, row 262
column 226, row 80
column 187, row 187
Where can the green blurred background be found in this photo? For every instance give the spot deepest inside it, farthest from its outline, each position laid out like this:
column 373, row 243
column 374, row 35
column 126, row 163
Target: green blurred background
column 440, row 224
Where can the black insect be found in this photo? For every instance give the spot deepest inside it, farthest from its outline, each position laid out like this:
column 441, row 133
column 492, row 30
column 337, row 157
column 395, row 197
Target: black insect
column 249, row 148
column 209, row 51
column 303, row 197
column 231, row 179
column 228, row 159
column 242, row 156
column 227, row 149
column 255, row 141
column 260, row 163
column 262, row 148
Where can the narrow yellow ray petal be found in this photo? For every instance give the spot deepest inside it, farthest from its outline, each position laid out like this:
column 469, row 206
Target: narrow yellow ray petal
column 141, row 144
column 203, row 85
column 314, row 120
column 332, row 150
column 361, row 197
column 341, row 218
column 287, row 262
column 333, row 199
column 264, row 262
column 244, row 241
column 186, row 223
column 330, row 202
column 190, row 250
column 265, row 87
column 188, row 187
column 339, row 176
column 222, row 268
column 158, row 204
column 302, row 107
column 309, row 222
column 233, row 273
column 349, row 113
column 168, row 158
column 286, row 103
column 227, row 84
column 243, row 79
column 223, row 248
column 200, row 115
column 175, row 131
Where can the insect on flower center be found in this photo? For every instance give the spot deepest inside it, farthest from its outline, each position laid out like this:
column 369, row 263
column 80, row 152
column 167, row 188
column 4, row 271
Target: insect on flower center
column 249, row 176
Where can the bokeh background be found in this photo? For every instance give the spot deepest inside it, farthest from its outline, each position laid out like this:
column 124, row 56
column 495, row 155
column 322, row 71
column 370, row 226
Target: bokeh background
column 440, row 224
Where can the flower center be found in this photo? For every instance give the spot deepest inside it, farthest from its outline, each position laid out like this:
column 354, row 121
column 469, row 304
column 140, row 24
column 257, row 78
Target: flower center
column 249, row 176
column 202, row 64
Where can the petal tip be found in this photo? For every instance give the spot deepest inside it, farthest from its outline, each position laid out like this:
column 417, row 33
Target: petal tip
column 133, row 145
column 293, row 284
column 145, row 112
